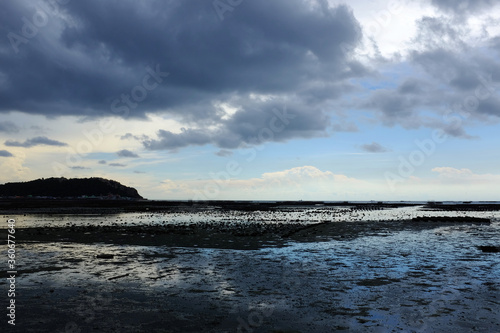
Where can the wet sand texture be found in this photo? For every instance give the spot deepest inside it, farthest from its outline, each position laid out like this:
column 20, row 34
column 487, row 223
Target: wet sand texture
column 432, row 275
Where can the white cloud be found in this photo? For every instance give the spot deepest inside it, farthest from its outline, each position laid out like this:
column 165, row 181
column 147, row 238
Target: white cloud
column 465, row 176
column 387, row 25
column 299, row 174
column 305, row 182
column 13, row 168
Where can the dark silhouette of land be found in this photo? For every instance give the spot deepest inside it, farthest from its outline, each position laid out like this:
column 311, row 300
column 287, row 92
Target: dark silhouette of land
column 68, row 188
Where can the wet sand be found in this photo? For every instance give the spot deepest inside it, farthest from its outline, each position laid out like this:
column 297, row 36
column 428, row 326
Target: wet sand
column 363, row 276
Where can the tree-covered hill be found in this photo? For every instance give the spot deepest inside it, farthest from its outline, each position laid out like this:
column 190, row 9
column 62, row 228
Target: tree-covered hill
column 62, row 187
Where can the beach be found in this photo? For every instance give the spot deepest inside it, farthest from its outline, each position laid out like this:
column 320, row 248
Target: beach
column 293, row 268
column 248, row 166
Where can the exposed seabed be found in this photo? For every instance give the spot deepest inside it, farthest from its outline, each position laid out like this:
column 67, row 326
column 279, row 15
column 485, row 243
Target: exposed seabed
column 368, row 274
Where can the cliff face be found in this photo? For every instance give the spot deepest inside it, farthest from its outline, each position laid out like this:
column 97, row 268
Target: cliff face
column 62, row 187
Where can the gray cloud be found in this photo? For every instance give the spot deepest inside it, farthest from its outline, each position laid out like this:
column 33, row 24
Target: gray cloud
column 490, row 107
column 255, row 51
column 469, row 84
column 374, row 147
column 117, row 165
column 79, row 168
column 394, row 108
column 88, row 60
column 412, row 86
column 8, row 127
column 345, row 127
column 91, row 61
column 169, row 140
column 37, row 141
column 464, row 7
column 259, row 123
column 454, row 84
column 127, row 153
column 224, row 153
column 102, row 162
column 5, row 153
column 495, row 43
column 439, row 33
column 457, row 131
column 128, row 136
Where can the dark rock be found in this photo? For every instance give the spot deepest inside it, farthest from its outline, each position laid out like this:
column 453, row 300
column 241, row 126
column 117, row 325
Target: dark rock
column 489, row 248
column 452, row 219
column 105, row 256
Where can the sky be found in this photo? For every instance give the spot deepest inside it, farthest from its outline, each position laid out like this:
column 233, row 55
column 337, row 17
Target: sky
column 255, row 99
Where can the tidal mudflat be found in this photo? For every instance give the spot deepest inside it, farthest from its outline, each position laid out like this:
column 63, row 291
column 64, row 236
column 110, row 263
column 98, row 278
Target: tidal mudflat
column 289, row 269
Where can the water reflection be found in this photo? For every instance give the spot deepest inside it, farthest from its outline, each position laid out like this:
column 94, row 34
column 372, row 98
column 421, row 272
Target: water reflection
column 219, row 217
column 407, row 280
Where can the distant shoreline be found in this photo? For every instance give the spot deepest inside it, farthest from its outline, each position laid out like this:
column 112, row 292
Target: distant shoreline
column 75, row 206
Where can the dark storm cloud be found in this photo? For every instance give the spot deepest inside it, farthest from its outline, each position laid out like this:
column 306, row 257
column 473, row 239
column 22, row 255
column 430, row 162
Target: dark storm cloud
column 5, row 153
column 97, row 51
column 374, row 147
column 8, row 127
column 260, row 122
column 129, row 58
column 172, row 141
column 127, row 153
column 38, row 141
